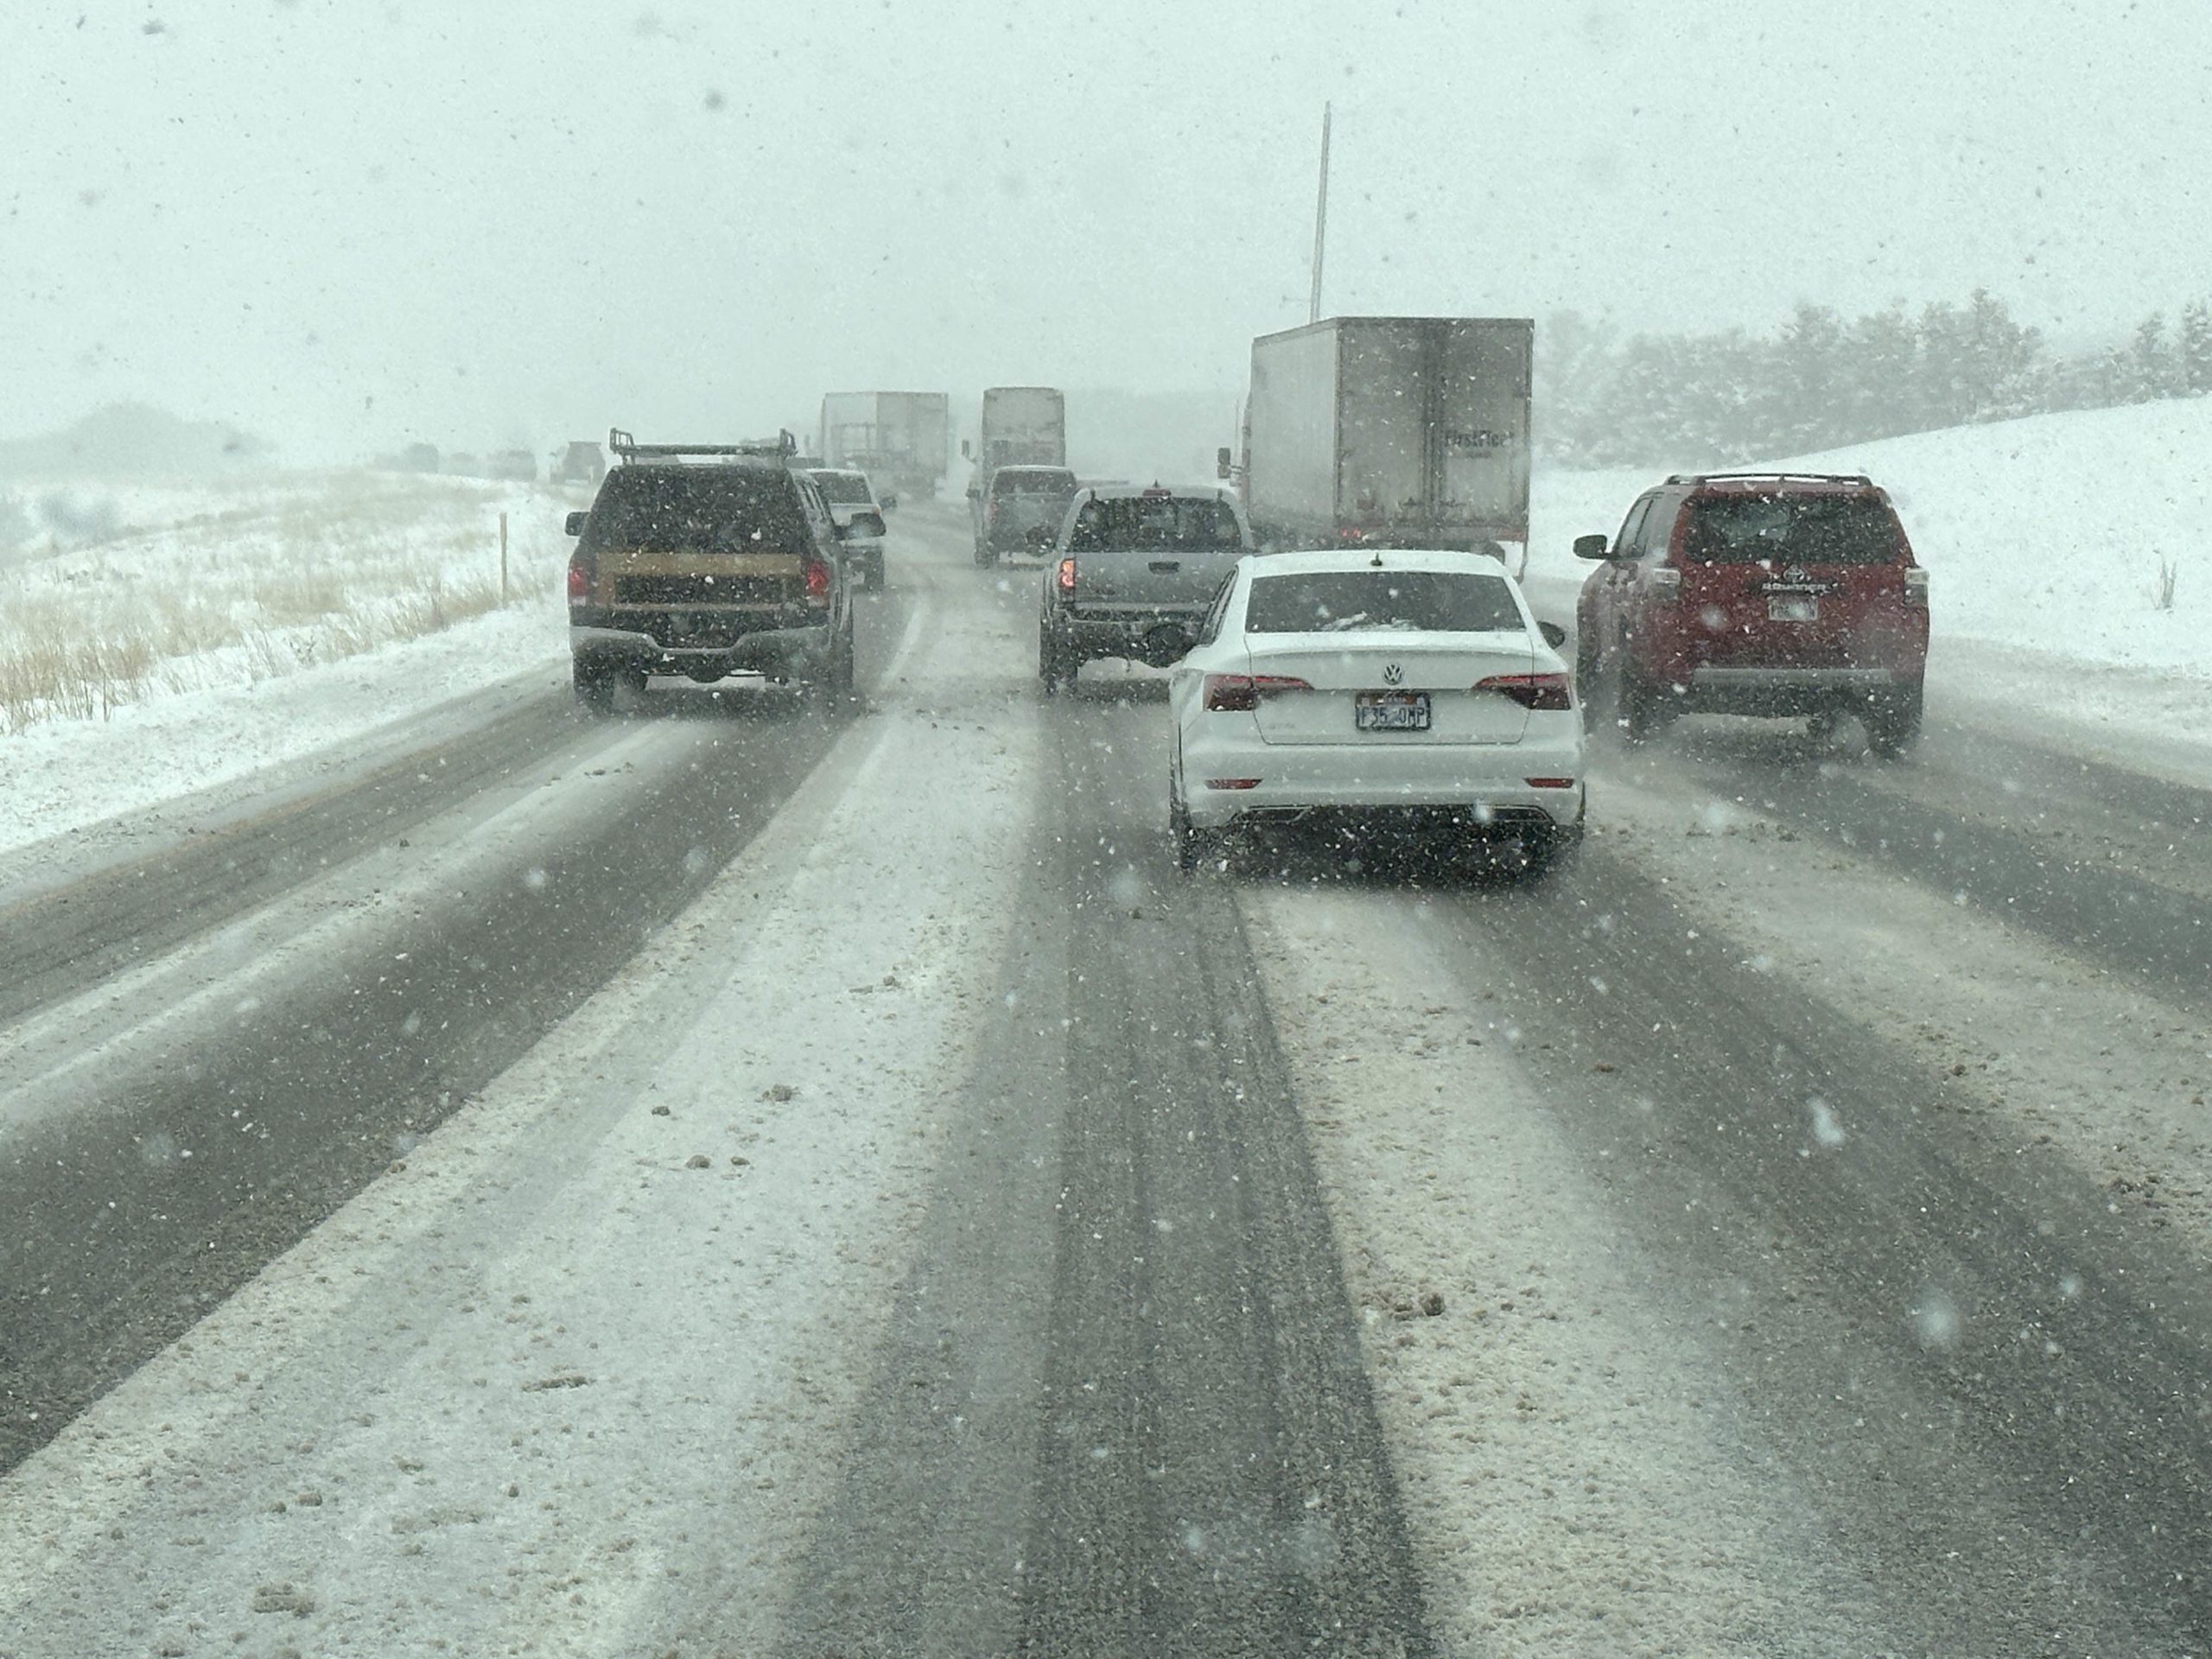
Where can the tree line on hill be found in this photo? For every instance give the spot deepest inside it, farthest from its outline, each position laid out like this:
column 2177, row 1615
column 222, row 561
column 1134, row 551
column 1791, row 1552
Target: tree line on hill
column 1823, row 380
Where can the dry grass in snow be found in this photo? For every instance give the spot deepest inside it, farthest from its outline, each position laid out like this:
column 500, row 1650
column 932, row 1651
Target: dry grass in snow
column 239, row 581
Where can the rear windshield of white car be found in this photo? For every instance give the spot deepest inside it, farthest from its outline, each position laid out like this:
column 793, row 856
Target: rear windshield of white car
column 1196, row 523
column 1413, row 601
column 846, row 489
column 1033, row 481
column 1791, row 529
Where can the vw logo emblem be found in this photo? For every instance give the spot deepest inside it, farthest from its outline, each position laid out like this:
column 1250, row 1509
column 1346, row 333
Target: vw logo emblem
column 1392, row 673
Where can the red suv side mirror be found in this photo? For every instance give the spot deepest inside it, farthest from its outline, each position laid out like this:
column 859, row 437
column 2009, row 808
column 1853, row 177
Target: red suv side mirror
column 1594, row 547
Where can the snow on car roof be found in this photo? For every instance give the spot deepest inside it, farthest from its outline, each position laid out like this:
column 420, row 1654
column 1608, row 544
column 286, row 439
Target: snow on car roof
column 1365, row 558
column 1207, row 492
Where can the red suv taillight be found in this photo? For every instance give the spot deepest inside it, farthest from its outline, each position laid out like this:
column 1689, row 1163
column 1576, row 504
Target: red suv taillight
column 1915, row 585
column 579, row 578
column 1663, row 582
column 817, row 579
column 1230, row 694
column 1530, row 690
column 1065, row 577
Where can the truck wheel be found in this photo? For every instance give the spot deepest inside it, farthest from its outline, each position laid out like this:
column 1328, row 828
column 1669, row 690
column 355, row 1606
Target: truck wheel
column 1056, row 666
column 1893, row 721
column 594, row 688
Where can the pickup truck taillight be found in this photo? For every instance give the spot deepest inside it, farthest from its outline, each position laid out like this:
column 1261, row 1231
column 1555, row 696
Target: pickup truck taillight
column 1230, row 694
column 1915, row 585
column 817, row 580
column 1663, row 582
column 1065, row 577
column 1531, row 691
column 580, row 573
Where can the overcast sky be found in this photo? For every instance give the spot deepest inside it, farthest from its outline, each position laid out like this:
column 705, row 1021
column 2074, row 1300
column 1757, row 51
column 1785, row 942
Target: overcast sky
column 345, row 223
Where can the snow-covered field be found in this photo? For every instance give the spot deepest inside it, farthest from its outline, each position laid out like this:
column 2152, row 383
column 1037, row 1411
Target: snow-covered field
column 156, row 640
column 2045, row 534
column 2045, row 540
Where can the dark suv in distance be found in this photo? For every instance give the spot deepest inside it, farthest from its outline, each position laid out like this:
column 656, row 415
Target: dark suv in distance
column 703, row 561
column 1787, row 594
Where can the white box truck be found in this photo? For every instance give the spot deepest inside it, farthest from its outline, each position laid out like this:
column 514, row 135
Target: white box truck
column 902, row 440
column 1394, row 431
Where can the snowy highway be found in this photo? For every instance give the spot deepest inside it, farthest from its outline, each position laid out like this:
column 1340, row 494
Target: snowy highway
column 736, row 1180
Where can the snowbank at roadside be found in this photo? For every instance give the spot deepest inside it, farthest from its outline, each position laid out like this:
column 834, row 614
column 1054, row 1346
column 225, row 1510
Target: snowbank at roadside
column 235, row 625
column 2045, row 537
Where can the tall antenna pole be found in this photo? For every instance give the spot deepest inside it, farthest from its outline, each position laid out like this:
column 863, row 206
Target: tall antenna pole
column 1321, row 222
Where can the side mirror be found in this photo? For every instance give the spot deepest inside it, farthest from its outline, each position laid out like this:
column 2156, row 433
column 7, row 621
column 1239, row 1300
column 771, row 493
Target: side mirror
column 1040, row 535
column 1554, row 635
column 975, row 490
column 967, row 451
column 1221, row 459
column 1594, row 547
column 888, row 500
column 574, row 523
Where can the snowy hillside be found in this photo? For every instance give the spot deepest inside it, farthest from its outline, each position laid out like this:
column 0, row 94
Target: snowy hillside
column 2044, row 534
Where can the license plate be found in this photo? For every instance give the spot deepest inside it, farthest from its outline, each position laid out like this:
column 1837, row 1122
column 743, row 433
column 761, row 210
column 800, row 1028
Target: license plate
column 1391, row 711
column 1793, row 607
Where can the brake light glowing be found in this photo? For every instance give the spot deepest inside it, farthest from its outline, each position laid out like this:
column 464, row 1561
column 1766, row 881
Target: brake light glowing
column 579, row 580
column 1550, row 782
column 1531, row 691
column 1065, row 578
column 1231, row 694
column 1232, row 783
column 817, row 579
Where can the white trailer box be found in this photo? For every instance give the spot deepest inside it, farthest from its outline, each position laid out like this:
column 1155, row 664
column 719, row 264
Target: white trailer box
column 1405, row 431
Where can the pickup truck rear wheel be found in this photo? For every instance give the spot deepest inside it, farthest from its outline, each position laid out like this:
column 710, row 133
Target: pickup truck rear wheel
column 1055, row 664
column 594, row 688
column 1893, row 721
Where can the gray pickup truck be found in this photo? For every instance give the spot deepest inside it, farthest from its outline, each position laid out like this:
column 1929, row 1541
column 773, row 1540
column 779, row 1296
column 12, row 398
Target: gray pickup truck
column 1132, row 574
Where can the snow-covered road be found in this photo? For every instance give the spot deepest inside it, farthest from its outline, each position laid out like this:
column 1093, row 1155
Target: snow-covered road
column 881, row 1207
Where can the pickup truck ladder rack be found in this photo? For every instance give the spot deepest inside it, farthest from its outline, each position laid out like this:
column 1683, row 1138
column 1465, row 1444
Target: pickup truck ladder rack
column 1779, row 478
column 627, row 448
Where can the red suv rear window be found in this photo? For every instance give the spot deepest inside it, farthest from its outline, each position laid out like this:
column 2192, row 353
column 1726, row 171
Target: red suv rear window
column 1798, row 528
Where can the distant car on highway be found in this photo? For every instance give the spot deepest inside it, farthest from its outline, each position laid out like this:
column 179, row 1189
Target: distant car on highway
column 1788, row 594
column 420, row 458
column 517, row 464
column 579, row 462
column 858, row 514
column 1021, row 510
column 1131, row 573
column 1368, row 690
column 706, row 559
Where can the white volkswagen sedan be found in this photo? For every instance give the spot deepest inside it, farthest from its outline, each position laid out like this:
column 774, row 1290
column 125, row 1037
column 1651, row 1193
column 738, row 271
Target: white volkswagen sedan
column 1355, row 688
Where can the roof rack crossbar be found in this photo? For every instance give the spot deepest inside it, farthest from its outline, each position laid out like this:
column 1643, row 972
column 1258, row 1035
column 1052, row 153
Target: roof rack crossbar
column 1782, row 477
column 627, row 448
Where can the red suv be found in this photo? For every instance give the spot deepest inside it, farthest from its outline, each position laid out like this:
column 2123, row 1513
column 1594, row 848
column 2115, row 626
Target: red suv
column 1783, row 594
